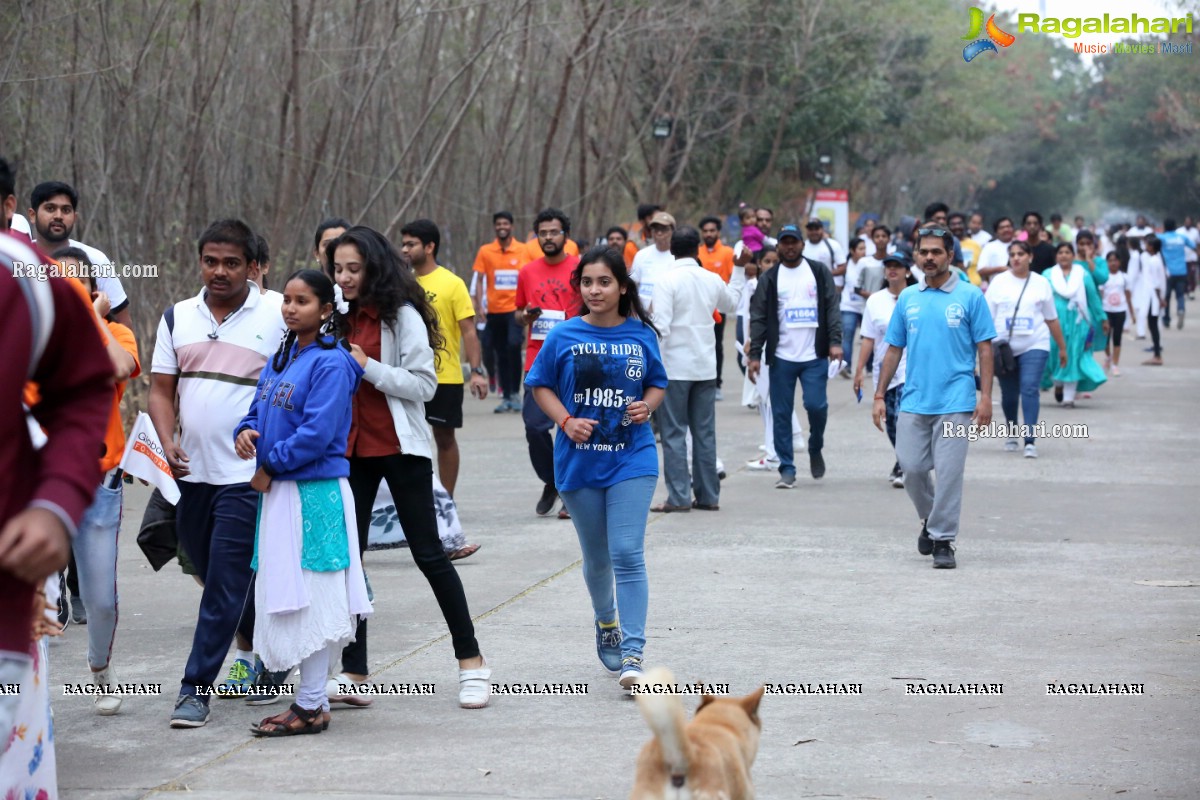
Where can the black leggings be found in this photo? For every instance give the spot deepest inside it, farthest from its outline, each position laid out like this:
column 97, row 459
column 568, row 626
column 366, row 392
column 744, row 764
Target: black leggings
column 1153, row 320
column 410, row 479
column 1116, row 324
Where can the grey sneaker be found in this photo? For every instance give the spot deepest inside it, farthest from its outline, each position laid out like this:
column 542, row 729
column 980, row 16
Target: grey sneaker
column 189, row 712
column 943, row 554
column 106, row 702
column 1031, row 451
column 787, row 480
column 1011, row 446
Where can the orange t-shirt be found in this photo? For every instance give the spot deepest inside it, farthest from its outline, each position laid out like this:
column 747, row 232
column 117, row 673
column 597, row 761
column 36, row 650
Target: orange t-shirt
column 31, row 391
column 631, row 250
column 499, row 268
column 534, row 247
column 720, row 261
column 114, row 437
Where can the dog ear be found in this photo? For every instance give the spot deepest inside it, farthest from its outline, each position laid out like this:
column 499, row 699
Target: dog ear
column 750, row 702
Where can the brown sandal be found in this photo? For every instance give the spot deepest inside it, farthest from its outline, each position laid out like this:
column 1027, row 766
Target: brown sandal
column 293, row 722
column 463, row 552
column 667, row 508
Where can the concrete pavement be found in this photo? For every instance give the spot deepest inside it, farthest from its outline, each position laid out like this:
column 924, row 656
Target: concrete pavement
column 818, row 585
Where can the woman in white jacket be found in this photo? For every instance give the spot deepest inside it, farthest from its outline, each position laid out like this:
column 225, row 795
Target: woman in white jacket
column 1148, row 291
column 393, row 336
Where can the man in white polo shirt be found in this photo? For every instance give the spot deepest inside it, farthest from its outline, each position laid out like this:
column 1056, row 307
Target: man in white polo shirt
column 684, row 300
column 209, row 352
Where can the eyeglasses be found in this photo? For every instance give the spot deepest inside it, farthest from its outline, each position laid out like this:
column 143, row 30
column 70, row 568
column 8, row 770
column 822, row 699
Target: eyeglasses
column 549, row 234
column 938, row 232
column 659, row 228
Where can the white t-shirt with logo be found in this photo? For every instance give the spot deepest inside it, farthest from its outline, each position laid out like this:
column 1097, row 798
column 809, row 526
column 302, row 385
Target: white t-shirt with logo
column 217, row 378
column 1029, row 331
column 648, row 266
column 1112, row 293
column 798, row 313
column 830, row 253
column 877, row 313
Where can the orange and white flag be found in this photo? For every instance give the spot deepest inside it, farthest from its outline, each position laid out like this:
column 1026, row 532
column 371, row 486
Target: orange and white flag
column 144, row 458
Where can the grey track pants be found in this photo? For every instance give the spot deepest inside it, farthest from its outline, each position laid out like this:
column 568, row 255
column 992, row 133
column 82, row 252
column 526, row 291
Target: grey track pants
column 922, row 450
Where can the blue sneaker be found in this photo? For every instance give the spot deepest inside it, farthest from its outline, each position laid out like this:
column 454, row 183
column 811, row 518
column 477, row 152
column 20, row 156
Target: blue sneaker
column 242, row 676
column 189, row 712
column 631, row 671
column 608, row 647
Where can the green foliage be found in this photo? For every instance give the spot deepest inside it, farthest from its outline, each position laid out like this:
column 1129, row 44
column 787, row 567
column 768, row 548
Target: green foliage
column 1146, row 114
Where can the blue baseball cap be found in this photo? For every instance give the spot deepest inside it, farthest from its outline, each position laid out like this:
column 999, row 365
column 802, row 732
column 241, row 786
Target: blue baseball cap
column 789, row 230
column 899, row 257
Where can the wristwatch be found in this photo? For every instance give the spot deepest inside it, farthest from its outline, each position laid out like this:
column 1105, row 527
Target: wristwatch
column 478, row 371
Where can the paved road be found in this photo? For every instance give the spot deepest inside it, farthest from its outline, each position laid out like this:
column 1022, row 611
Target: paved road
column 818, row 585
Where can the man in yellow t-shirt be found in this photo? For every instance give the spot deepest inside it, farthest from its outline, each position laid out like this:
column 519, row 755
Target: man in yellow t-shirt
column 419, row 241
column 957, row 222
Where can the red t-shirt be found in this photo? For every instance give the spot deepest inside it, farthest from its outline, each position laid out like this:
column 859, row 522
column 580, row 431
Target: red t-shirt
column 372, row 430
column 547, row 286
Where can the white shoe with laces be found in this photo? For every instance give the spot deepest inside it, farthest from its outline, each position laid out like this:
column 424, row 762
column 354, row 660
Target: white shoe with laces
column 763, row 464
column 1011, row 446
column 106, row 704
column 1031, row 451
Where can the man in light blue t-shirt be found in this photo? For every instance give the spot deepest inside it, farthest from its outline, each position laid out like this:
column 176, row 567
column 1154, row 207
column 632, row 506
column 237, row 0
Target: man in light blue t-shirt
column 1175, row 247
column 942, row 326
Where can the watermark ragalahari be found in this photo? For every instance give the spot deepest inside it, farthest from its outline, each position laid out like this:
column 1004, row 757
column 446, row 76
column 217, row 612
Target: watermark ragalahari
column 1013, row 430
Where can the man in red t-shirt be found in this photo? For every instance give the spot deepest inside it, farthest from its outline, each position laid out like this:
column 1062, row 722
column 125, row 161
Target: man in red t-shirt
column 545, row 298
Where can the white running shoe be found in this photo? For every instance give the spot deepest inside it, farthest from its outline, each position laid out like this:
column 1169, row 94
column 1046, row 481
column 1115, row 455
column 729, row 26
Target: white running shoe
column 1011, row 446
column 763, row 464
column 1031, row 451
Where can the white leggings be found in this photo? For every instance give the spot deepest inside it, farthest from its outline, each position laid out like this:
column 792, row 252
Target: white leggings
column 314, row 673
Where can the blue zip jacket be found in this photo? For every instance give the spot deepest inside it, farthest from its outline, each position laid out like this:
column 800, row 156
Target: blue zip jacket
column 302, row 414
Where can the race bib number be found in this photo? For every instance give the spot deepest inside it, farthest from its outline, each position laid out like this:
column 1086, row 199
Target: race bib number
column 545, row 323
column 505, row 280
column 800, row 316
column 1021, row 326
column 646, row 292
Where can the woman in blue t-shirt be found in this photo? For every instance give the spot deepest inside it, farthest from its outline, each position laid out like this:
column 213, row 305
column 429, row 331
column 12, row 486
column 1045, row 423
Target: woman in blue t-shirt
column 599, row 376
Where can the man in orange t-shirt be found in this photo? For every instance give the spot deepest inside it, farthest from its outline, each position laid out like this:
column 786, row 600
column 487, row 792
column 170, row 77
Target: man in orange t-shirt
column 716, row 256
column 498, row 263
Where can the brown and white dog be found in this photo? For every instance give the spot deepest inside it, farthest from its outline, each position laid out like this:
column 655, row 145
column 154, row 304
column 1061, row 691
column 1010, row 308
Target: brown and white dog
column 706, row 759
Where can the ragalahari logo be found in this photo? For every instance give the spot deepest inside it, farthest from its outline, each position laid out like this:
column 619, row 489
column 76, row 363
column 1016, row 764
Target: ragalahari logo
column 983, row 45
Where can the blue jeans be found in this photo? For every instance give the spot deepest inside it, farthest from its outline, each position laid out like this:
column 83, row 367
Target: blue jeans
column 813, row 376
column 96, row 557
column 611, row 525
column 850, row 322
column 1177, row 284
column 1023, row 386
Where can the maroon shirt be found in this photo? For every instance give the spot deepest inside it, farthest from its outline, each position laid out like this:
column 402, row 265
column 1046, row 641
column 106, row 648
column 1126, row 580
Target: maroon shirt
column 74, row 377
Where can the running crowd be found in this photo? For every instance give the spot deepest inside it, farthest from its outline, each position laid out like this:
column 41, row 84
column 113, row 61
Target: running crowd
column 281, row 411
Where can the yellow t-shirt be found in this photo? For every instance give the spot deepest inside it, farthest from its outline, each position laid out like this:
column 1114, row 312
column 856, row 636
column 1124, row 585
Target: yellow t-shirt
column 450, row 299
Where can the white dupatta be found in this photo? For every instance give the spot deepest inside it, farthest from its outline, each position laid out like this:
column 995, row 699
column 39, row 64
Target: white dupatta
column 1072, row 288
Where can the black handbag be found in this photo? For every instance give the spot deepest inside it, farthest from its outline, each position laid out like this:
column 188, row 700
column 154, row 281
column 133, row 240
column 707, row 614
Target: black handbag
column 1006, row 362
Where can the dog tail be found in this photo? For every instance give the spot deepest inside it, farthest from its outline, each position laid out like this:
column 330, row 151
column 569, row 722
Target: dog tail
column 663, row 712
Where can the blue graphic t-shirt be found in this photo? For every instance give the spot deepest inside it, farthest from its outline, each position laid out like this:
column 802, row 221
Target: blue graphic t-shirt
column 596, row 373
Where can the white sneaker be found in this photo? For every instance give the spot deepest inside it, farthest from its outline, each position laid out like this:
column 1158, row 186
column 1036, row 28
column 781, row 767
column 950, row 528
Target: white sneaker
column 106, row 704
column 898, row 481
column 340, row 689
column 721, row 470
column 1011, row 446
column 763, row 464
column 1031, row 451
column 474, row 687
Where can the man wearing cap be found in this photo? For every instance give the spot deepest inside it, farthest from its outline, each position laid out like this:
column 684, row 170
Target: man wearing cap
column 654, row 261
column 939, row 328
column 795, row 318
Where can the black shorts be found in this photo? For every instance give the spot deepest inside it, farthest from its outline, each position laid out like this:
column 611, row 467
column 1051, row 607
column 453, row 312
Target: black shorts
column 445, row 409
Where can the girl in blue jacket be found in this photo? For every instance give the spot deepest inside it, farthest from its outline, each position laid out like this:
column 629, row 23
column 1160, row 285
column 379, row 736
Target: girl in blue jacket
column 310, row 590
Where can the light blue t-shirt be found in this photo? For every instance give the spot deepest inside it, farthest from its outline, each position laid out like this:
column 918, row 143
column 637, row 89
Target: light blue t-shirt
column 940, row 328
column 596, row 372
column 1174, row 251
